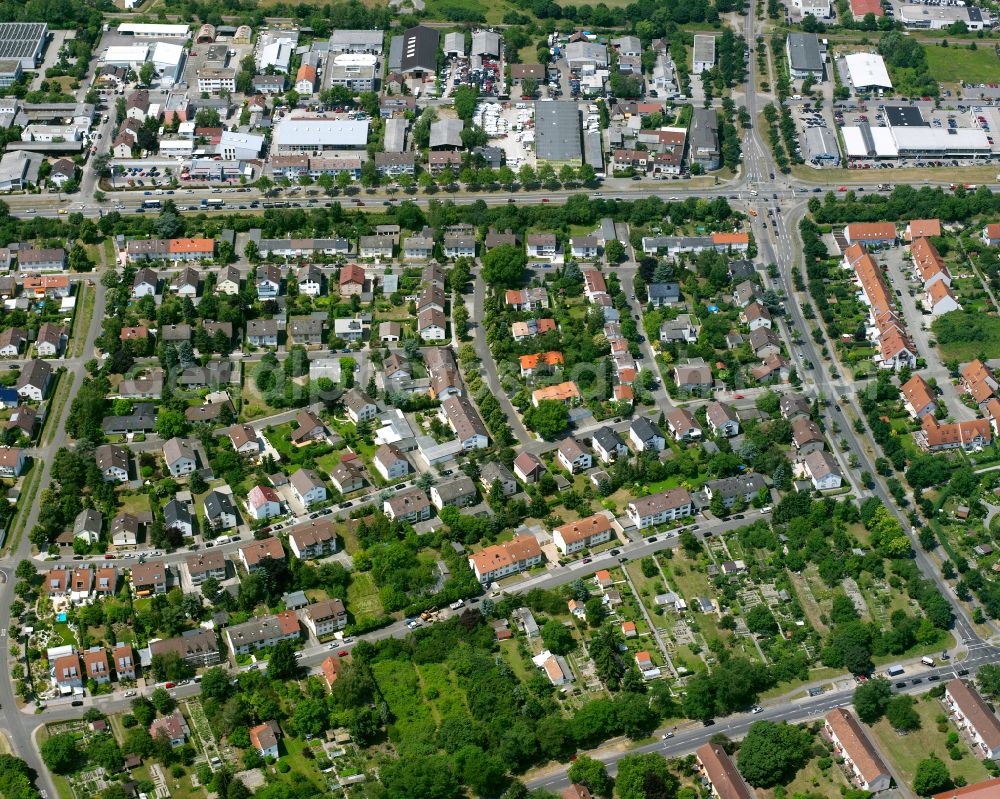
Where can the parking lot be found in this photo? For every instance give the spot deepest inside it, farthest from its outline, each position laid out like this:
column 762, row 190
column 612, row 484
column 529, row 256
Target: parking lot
column 511, row 128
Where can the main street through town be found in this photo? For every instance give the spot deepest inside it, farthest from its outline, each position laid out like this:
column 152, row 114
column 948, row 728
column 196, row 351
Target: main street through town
column 759, row 186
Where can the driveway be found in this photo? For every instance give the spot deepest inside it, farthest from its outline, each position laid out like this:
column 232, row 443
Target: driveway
column 918, row 326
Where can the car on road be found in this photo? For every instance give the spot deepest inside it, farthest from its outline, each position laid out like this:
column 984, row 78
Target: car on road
column 77, row 703
column 343, row 653
column 615, row 551
column 738, row 396
column 916, row 681
column 129, row 693
column 666, row 736
column 756, row 709
column 901, row 684
column 168, row 685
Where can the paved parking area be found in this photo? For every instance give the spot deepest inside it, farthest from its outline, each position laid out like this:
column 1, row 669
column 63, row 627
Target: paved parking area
column 518, row 142
column 51, row 56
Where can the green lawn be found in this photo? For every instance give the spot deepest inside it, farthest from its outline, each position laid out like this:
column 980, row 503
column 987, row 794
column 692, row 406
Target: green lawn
column 63, row 631
column 963, row 335
column 362, row 596
column 814, row 781
column 135, row 504
column 522, row 669
column 906, row 751
column 954, row 64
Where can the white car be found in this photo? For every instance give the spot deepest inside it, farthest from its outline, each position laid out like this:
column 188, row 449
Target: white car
column 129, row 693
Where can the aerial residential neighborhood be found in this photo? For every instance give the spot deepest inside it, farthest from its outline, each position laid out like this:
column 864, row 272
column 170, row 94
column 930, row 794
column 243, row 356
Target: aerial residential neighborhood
column 435, row 401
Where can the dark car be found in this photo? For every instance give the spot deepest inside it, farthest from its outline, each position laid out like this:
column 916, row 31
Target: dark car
column 77, row 703
column 963, row 672
column 917, row 681
column 615, row 551
column 901, row 684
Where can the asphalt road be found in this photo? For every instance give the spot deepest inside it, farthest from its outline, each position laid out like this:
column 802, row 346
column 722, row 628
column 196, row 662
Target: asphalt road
column 807, row 708
column 779, row 245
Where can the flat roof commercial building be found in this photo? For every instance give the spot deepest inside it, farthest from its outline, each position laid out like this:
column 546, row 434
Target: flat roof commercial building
column 557, row 133
column 24, row 42
column 804, row 55
column 318, row 134
column 867, row 71
column 356, row 41
column 704, row 53
column 153, row 31
column 907, row 136
column 935, row 17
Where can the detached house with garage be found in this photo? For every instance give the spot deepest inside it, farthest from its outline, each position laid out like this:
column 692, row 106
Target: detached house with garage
column 722, row 419
column 645, row 435
column 180, row 457
column 573, row 457
column 308, row 487
column 682, row 425
column 608, row 445
column 112, row 461
column 263, row 502
column 359, row 406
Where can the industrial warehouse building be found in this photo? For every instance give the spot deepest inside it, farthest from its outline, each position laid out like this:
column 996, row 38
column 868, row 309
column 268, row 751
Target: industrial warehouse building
column 867, row 71
column 318, row 134
column 154, row 31
column 557, row 133
column 23, row 42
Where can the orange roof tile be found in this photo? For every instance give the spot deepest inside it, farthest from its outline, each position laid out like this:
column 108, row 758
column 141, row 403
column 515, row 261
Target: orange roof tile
column 730, row 238
column 923, row 227
column 561, row 392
